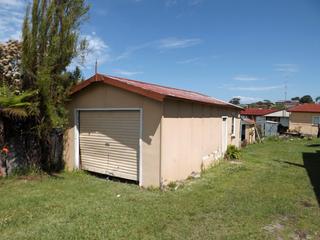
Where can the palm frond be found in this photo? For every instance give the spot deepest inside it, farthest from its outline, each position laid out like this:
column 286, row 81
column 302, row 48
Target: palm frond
column 15, row 113
column 25, row 96
column 17, row 106
column 20, row 104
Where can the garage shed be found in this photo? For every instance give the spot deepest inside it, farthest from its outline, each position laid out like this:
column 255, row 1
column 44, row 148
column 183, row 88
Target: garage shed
column 144, row 132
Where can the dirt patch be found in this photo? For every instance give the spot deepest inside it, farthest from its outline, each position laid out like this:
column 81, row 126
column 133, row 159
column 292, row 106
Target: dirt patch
column 301, row 234
column 306, row 204
column 235, row 162
column 31, row 177
column 278, row 229
column 274, row 227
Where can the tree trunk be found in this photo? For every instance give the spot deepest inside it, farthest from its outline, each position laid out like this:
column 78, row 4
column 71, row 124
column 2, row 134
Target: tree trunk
column 2, row 159
column 1, row 131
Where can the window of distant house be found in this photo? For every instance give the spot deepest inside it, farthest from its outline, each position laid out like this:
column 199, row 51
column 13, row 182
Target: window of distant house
column 233, row 126
column 316, row 120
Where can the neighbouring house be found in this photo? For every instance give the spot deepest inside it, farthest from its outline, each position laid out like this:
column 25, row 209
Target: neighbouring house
column 248, row 132
column 305, row 118
column 270, row 122
column 281, row 117
column 258, row 116
column 145, row 132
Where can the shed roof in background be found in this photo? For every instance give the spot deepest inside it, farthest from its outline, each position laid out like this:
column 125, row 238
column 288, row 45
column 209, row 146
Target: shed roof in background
column 257, row 111
column 307, row 107
column 281, row 113
column 248, row 121
column 153, row 91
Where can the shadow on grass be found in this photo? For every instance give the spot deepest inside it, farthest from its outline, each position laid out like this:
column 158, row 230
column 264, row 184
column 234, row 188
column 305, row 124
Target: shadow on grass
column 313, row 145
column 112, row 178
column 55, row 176
column 311, row 163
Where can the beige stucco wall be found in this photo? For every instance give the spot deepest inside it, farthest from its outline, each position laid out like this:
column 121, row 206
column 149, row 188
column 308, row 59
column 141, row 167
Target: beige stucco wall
column 303, row 122
column 100, row 95
column 191, row 137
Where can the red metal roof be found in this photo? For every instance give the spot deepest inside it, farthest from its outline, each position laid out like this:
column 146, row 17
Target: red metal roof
column 150, row 90
column 257, row 111
column 307, row 107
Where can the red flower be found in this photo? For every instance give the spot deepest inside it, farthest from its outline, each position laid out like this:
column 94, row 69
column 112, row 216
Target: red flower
column 5, row 150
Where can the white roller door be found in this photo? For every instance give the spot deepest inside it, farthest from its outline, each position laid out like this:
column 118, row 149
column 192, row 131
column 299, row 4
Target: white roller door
column 109, row 142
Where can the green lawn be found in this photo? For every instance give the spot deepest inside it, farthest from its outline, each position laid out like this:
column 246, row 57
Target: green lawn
column 271, row 195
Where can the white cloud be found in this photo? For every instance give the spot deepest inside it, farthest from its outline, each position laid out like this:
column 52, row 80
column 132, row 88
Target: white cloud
column 195, row 2
column 245, row 99
column 127, row 73
column 97, row 50
column 11, row 18
column 190, row 60
column 162, row 44
column 191, row 3
column 215, row 56
column 170, row 3
column 286, row 68
column 130, row 50
column 172, row 43
column 265, row 88
column 242, row 77
column 11, row 3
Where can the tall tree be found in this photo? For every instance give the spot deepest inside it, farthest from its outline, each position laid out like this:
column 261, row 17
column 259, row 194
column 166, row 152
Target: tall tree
column 235, row 101
column 318, row 99
column 50, row 42
column 295, row 99
column 306, row 99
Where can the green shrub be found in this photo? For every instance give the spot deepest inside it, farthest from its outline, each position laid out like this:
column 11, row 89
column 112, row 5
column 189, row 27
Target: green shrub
column 232, row 153
column 172, row 185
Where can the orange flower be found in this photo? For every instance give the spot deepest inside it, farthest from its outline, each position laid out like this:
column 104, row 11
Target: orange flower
column 5, row 150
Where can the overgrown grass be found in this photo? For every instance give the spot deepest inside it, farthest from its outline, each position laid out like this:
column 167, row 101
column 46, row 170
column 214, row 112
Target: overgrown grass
column 268, row 195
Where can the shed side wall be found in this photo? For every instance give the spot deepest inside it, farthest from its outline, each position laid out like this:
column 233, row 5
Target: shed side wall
column 191, row 137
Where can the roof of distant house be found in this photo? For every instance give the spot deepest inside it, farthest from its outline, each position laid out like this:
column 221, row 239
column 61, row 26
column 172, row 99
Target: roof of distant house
column 279, row 113
column 307, row 107
column 257, row 111
column 152, row 91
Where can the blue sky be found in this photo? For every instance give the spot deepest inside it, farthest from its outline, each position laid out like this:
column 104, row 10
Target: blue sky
column 228, row 48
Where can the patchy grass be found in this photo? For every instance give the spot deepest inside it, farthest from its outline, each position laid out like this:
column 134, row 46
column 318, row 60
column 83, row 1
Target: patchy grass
column 271, row 195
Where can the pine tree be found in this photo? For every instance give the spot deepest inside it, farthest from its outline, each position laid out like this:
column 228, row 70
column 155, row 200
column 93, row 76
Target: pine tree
column 50, row 42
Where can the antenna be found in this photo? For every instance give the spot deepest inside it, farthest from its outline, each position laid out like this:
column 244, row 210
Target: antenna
column 96, row 67
column 285, row 88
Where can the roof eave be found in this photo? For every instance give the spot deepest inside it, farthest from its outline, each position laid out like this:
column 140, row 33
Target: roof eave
column 297, row 111
column 122, row 85
column 204, row 103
